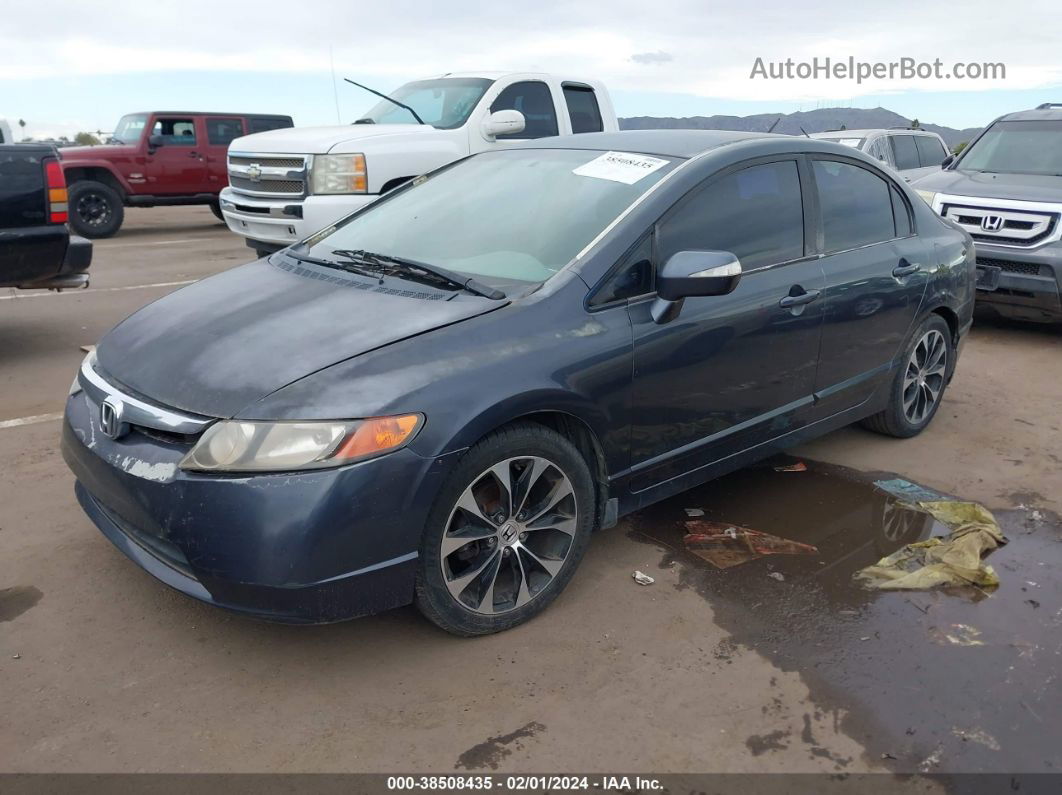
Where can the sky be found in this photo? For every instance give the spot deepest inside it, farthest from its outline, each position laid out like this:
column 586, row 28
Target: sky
column 66, row 67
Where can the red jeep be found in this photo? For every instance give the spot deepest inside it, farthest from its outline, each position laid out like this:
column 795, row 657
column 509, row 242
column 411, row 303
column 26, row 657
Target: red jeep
column 153, row 159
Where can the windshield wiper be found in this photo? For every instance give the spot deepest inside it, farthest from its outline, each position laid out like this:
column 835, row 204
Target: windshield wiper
column 329, row 263
column 389, row 99
column 390, row 263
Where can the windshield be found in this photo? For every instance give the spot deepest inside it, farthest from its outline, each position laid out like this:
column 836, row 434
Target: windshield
column 510, row 217
column 129, row 128
column 1017, row 147
column 444, row 103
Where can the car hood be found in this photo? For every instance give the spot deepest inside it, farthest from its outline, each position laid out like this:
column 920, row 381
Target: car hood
column 1023, row 187
column 321, row 140
column 225, row 342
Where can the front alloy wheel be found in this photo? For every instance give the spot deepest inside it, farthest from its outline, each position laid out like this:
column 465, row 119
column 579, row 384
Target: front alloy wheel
column 507, row 531
column 509, row 535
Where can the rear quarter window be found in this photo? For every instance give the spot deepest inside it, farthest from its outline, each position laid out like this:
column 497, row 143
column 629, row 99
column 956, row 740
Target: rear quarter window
column 257, row 124
column 582, row 109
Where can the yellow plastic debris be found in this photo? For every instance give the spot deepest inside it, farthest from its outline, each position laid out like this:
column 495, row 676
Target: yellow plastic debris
column 955, row 559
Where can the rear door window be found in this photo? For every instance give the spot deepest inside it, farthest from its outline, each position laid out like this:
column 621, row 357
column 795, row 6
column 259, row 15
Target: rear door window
column 904, row 152
column 257, row 124
column 755, row 213
column 930, row 151
column 221, row 131
column 583, row 109
column 533, row 99
column 175, row 132
column 856, row 206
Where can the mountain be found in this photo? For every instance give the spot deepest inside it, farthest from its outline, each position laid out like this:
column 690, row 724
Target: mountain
column 791, row 123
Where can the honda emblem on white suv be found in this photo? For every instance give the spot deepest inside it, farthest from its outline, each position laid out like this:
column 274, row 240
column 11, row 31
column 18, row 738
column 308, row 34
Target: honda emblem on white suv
column 992, row 223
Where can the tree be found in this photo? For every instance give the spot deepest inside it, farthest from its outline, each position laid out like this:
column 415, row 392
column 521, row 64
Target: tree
column 86, row 139
column 916, row 124
column 959, row 147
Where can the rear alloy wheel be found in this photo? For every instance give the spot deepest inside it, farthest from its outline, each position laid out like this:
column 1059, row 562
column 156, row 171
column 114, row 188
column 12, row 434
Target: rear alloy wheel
column 517, row 520
column 95, row 209
column 919, row 384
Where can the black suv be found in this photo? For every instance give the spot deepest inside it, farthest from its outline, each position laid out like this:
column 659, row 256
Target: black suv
column 1005, row 189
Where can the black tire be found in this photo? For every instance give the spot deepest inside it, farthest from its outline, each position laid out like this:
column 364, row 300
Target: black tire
column 510, row 564
column 897, row 419
column 215, row 208
column 95, row 209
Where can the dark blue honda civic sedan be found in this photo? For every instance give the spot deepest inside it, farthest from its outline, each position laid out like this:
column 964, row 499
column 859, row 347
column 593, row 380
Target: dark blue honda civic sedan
column 439, row 398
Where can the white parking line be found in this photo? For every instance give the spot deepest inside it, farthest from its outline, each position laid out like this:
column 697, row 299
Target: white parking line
column 53, row 294
column 182, row 241
column 31, row 420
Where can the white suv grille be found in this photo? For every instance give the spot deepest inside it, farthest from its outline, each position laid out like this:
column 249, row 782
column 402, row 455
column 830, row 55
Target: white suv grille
column 1003, row 226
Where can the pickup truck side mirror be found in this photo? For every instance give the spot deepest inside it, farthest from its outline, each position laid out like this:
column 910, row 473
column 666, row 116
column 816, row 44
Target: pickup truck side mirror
column 693, row 273
column 155, row 141
column 947, row 161
column 503, row 122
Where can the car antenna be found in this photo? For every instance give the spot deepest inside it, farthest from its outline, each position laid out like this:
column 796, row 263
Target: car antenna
column 389, row 99
column 774, row 124
column 805, row 132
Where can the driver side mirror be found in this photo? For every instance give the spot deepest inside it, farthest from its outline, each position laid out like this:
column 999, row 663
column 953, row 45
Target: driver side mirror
column 503, row 122
column 947, row 161
column 687, row 274
column 155, row 141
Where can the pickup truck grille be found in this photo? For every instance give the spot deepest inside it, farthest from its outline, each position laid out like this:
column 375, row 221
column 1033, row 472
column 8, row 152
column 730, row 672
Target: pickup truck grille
column 266, row 176
column 1003, row 226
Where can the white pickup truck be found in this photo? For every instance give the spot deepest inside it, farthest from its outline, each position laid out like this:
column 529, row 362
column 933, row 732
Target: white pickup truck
column 286, row 184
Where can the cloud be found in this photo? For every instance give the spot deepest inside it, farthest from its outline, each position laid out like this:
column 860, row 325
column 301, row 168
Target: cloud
column 700, row 49
column 657, row 57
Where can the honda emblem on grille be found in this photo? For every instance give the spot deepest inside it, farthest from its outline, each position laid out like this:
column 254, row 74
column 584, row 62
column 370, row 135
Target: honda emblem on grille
column 992, row 223
column 111, row 418
column 254, row 172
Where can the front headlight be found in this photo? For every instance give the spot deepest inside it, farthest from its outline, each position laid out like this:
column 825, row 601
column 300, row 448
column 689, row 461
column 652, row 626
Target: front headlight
column 927, row 195
column 239, row 446
column 339, row 174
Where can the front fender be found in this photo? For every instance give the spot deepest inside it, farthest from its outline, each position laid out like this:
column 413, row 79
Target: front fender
column 103, row 165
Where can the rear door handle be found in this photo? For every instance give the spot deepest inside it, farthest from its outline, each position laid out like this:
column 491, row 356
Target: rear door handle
column 905, row 268
column 799, row 300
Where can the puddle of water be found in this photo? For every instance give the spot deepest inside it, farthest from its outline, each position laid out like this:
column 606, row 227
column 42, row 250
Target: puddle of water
column 16, row 601
column 885, row 659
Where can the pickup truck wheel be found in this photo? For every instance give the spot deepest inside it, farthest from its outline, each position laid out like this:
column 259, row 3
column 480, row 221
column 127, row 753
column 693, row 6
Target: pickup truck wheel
column 919, row 385
column 506, row 533
column 215, row 208
column 95, row 209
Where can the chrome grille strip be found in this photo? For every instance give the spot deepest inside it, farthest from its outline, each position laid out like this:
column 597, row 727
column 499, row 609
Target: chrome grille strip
column 1008, row 223
column 134, row 410
column 269, row 175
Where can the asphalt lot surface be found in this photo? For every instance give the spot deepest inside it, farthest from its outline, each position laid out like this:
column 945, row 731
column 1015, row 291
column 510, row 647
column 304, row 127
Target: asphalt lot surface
column 104, row 669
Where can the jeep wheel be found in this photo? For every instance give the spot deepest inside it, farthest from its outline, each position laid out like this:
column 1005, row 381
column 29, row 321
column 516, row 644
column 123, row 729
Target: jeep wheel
column 95, row 209
column 507, row 532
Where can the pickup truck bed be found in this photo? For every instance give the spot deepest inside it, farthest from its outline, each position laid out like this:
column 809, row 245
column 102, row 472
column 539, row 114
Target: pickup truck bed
column 36, row 247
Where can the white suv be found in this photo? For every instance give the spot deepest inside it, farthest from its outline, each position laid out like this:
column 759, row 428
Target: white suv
column 913, row 153
column 287, row 184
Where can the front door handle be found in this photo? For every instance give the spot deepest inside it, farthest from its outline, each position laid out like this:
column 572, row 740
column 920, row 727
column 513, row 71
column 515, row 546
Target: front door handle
column 905, row 268
column 799, row 300
column 193, row 154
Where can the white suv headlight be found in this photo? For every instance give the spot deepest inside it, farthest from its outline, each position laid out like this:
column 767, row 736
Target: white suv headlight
column 332, row 174
column 927, row 195
column 239, row 446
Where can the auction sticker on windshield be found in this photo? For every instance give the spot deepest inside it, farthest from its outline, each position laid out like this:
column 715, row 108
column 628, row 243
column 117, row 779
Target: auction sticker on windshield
column 620, row 167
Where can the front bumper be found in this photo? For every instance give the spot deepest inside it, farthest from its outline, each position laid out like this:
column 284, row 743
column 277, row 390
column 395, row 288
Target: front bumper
column 278, row 223
column 312, row 547
column 1027, row 285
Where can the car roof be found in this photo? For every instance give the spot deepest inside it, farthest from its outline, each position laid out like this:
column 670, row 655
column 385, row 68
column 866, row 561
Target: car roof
column 667, row 143
column 207, row 113
column 865, row 133
column 1036, row 114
